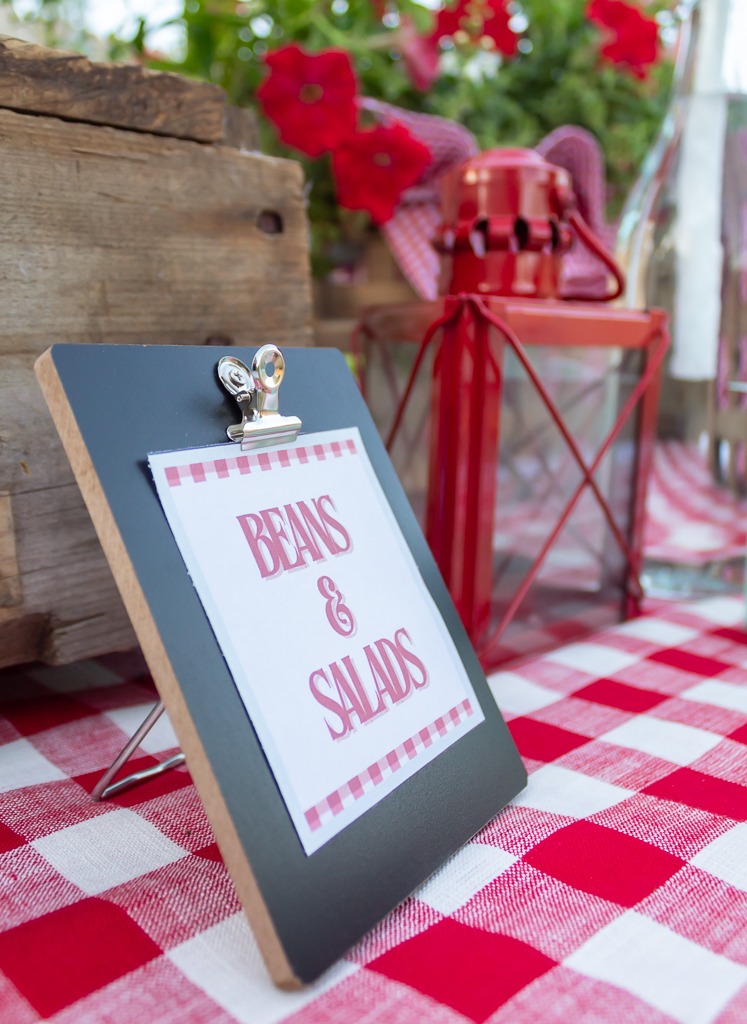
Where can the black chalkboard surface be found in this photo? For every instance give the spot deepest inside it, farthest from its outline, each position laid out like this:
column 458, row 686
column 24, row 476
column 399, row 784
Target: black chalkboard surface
column 112, row 405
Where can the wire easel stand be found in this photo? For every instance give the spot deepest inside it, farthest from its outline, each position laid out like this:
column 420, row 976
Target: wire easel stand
column 105, row 788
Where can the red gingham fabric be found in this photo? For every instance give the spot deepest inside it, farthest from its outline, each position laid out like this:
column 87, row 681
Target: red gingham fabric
column 690, row 520
column 614, row 888
column 409, row 232
column 579, row 153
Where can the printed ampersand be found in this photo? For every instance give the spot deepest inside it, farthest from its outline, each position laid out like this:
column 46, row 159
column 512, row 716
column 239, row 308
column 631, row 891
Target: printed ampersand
column 339, row 615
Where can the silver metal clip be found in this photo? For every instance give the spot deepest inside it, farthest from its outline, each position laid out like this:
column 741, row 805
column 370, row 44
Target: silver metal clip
column 256, row 392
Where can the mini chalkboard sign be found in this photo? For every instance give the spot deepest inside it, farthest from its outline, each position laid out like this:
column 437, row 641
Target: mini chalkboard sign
column 333, row 715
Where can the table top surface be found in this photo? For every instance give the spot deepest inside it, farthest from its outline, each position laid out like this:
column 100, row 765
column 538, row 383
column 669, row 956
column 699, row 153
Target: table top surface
column 613, row 888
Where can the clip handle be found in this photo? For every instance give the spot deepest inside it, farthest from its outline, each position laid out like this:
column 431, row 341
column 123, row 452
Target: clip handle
column 256, row 392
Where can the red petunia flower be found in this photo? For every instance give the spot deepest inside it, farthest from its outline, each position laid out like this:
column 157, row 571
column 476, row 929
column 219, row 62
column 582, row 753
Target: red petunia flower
column 478, row 18
column 310, row 97
column 633, row 37
column 373, row 168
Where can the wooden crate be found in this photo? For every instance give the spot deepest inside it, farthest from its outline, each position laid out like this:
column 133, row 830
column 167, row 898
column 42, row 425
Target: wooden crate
column 132, row 211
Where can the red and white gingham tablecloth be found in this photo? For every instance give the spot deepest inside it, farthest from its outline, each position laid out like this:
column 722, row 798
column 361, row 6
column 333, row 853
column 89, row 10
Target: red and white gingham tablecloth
column 614, row 888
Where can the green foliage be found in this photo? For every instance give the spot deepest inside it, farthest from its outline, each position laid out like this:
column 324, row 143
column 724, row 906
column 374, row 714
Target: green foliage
column 560, row 80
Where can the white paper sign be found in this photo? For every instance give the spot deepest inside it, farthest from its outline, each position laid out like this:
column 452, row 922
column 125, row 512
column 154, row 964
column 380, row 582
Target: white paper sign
column 337, row 649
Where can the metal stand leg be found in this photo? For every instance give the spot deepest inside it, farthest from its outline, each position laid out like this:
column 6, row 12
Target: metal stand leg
column 102, row 790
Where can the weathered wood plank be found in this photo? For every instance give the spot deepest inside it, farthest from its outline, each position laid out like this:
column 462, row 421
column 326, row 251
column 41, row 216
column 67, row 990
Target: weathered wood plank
column 36, row 79
column 22, row 639
column 112, row 236
column 65, row 578
column 31, row 456
column 120, row 237
column 10, row 583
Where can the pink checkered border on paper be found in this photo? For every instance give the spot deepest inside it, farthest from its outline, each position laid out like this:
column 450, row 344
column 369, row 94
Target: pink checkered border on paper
column 199, row 472
column 387, row 765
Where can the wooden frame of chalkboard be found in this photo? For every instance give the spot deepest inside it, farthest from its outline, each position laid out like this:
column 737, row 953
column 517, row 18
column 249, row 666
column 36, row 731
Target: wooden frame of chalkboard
column 113, row 405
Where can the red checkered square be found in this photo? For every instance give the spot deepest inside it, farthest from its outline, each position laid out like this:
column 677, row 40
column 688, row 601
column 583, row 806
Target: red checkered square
column 210, row 852
column 737, row 636
column 151, row 789
column 40, row 713
column 739, row 735
column 604, row 862
column 706, row 792
column 543, row 742
column 621, row 696
column 471, row 970
column 71, row 950
column 9, row 839
column 681, row 658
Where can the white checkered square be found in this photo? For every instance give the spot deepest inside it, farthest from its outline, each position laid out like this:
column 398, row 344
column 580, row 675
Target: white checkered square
column 560, row 791
column 596, row 659
column 671, row 741
column 673, row 974
column 107, row 850
column 518, row 696
column 21, row 765
column 469, row 871
column 721, row 611
column 657, row 631
column 721, row 695
column 726, row 857
column 161, row 736
column 224, row 961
